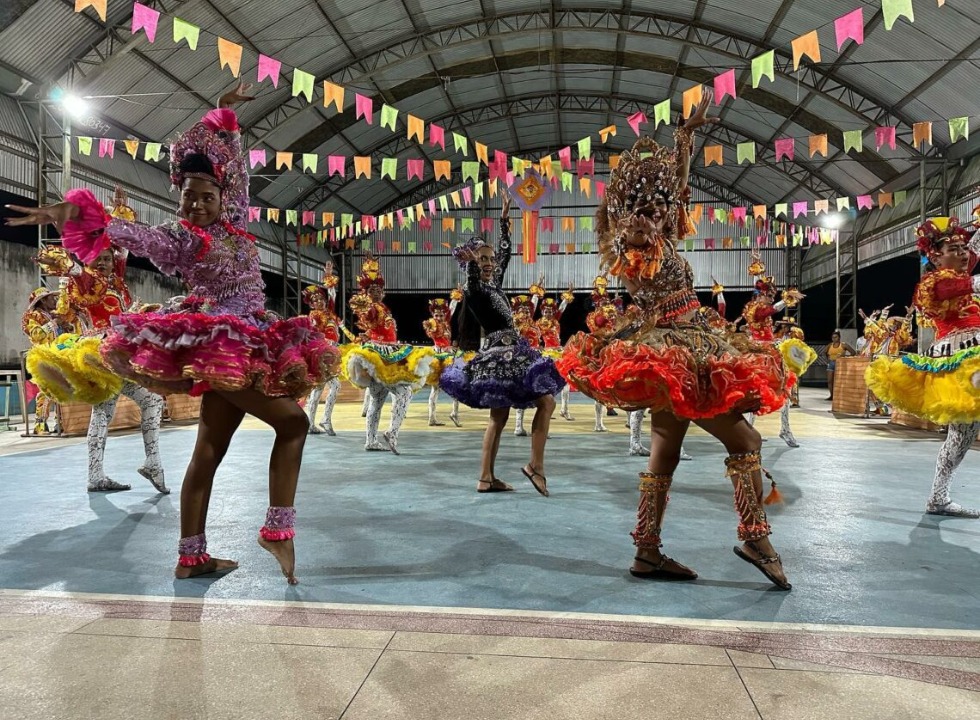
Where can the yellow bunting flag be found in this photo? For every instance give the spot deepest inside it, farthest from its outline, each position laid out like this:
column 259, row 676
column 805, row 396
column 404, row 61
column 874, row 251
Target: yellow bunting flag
column 152, row 151
column 585, row 185
column 481, row 153
column 806, row 45
column 132, row 147
column 97, row 5
column 713, row 154
column 456, row 201
column 691, row 99
column 333, row 94
column 922, row 134
column 362, row 167
column 606, row 132
column 416, row 128
column 818, row 144
column 442, row 169
column 230, row 56
column 303, row 84
column 613, row 162
column 309, row 162
column 764, row 66
column 843, row 203
column 272, row 214
column 821, row 206
column 696, row 213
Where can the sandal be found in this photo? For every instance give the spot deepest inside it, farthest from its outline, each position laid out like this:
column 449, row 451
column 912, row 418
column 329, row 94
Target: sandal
column 761, row 563
column 543, row 487
column 659, row 573
column 494, row 486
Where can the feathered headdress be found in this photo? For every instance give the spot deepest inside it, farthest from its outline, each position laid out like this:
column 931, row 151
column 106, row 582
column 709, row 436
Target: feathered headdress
column 311, row 292
column 764, row 284
column 930, row 235
column 370, row 274
column 438, row 304
column 522, row 302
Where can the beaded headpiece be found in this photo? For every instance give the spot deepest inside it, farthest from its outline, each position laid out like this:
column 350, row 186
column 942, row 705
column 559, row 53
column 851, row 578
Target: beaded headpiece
column 764, row 284
column 38, row 295
column 522, row 302
column 438, row 304
column 472, row 245
column 370, row 274
column 215, row 145
column 311, row 292
column 931, row 234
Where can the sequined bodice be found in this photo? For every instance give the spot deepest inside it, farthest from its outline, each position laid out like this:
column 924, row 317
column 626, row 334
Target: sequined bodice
column 670, row 292
column 228, row 274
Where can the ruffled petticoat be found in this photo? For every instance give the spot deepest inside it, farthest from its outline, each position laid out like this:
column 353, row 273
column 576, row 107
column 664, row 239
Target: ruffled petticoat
column 506, row 372
column 942, row 386
column 389, row 365
column 441, row 360
column 184, row 350
column 686, row 370
column 552, row 353
column 70, row 369
column 797, row 355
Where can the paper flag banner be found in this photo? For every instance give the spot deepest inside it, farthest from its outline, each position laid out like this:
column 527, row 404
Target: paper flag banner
column 230, row 55
column 818, row 144
column 850, row 27
column 107, row 146
column 309, row 162
column 806, row 45
column 389, row 167
column 481, row 153
column 303, row 84
column 585, row 222
column 800, row 208
column 585, row 167
column 691, row 99
column 661, row 113
column 152, row 151
column 292, row 217
column 853, row 140
column 254, row 214
column 727, row 243
column 268, row 68
column 336, row 165
column 892, row 10
column 781, row 209
column 84, row 145
column 379, row 246
column 145, row 19
column 720, row 215
column 713, row 154
column 763, row 66
column 637, row 118
column 132, row 147
column 570, row 248
column 759, row 211
column 568, row 224
column 884, row 199
column 745, row 240
column 416, row 167
column 437, row 136
column 467, row 195
column 478, row 192
column 760, row 240
column 517, row 167
column 921, row 133
column 709, row 243
column 493, row 188
column 738, row 215
column 389, row 116
column 416, row 127
column 864, row 202
column 457, row 202
column 585, row 148
column 724, row 85
column 308, row 216
column 696, row 213
column 471, row 170
column 959, row 128
column 780, row 241
column 448, row 223
column 607, row 132
column 821, row 206
column 600, row 190
column 326, row 218
column 711, row 215
column 443, row 203
column 585, row 186
column 461, row 144
column 442, row 169
column 885, row 135
column 432, row 206
column 183, row 30
column 900, row 196
column 272, row 214
column 546, row 167
column 785, row 148
column 565, row 158
column 843, row 203
column 566, row 182
column 745, row 151
column 613, row 162
column 466, row 224
column 547, row 224
column 362, row 167
column 363, row 108
column 97, row 5
column 284, row 160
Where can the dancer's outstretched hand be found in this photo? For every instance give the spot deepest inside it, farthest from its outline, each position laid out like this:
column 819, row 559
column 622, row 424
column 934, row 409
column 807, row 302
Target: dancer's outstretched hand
column 238, row 95
column 700, row 116
column 57, row 215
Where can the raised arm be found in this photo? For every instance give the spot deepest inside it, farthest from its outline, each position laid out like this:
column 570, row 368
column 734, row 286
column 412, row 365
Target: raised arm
column 503, row 246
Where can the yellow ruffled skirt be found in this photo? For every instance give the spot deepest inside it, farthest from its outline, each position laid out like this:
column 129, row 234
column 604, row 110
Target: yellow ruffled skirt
column 389, row 365
column 70, row 369
column 797, row 355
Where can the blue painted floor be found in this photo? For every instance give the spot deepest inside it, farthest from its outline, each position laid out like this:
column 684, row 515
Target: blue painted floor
column 410, row 530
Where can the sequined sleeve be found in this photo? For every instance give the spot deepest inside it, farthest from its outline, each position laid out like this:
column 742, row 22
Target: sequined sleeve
column 473, row 277
column 170, row 246
column 503, row 249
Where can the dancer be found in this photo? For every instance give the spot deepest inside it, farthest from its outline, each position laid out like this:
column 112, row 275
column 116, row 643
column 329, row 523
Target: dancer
column 523, row 308
column 797, row 359
column 884, row 334
column 549, row 327
column 380, row 364
column 440, row 332
column 662, row 356
column 43, row 324
column 941, row 385
column 98, row 293
column 219, row 342
column 506, row 372
column 322, row 300
column 601, row 321
column 635, row 423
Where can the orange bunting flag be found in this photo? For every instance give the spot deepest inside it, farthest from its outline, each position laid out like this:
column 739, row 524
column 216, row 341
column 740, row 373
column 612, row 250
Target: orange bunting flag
column 132, row 147
column 333, row 94
column 713, row 154
column 547, row 169
column 780, row 241
column 606, row 132
column 821, row 206
column 568, row 224
column 691, row 99
column 806, row 45
column 416, row 128
column 727, row 243
column 613, row 162
column 696, row 213
column 362, row 167
column 922, row 133
column 818, row 144
column 885, row 199
column 449, row 223
column 585, row 185
column 442, row 168
column 230, row 55
column 481, row 153
column 493, row 188
column 272, row 214
column 326, row 218
column 284, row 160
column 97, row 5
column 759, row 211
column 455, row 197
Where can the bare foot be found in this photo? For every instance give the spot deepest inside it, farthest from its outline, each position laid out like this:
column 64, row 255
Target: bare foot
column 283, row 552
column 653, row 564
column 214, row 565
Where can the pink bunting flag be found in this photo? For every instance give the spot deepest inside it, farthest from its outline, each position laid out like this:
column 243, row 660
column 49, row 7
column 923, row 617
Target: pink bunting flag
column 634, row 121
column 850, row 27
column 498, row 168
column 600, row 189
column 256, row 158
column 336, row 165
column 553, row 248
column 107, row 146
column 785, row 148
column 437, row 136
column 363, row 108
column 379, row 246
column 711, row 214
column 427, row 246
column 738, row 215
column 425, row 223
column 885, row 135
column 864, row 202
column 432, row 206
column 509, row 178
column 709, row 243
column 548, row 224
column 269, row 68
column 400, row 214
column 308, row 217
column 800, row 208
column 814, row 234
column 585, row 167
column 760, row 240
column 254, row 213
column 565, row 156
column 145, row 19
column 467, row 195
column 724, row 85
column 416, row 166
column 486, row 224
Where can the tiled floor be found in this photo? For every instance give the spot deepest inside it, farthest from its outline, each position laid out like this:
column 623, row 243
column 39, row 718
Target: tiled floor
column 420, row 599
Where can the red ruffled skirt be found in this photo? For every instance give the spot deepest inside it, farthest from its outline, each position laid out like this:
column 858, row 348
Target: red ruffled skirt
column 193, row 352
column 689, row 371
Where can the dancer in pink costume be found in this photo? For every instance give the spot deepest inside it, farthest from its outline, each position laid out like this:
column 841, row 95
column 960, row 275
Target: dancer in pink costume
column 219, row 342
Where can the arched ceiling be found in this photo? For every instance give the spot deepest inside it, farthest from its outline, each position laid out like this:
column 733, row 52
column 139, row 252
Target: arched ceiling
column 524, row 76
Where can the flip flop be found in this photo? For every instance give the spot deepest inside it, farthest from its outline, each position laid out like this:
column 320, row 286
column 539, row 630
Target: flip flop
column 761, row 563
column 495, row 488
column 658, row 572
column 543, row 487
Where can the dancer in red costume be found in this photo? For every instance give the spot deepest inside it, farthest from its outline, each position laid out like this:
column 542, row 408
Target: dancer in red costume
column 667, row 357
column 440, row 332
column 322, row 300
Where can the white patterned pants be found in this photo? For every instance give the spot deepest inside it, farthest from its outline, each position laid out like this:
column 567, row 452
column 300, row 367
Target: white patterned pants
column 151, row 412
column 959, row 439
